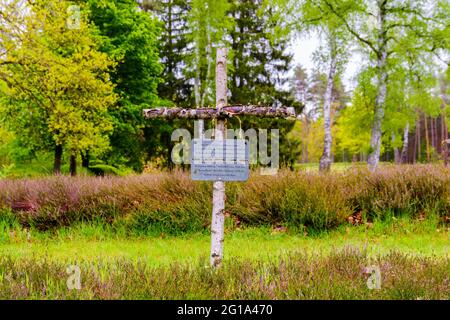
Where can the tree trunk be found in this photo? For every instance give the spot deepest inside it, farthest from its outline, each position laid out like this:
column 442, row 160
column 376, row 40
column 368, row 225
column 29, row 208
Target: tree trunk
column 397, row 156
column 431, row 134
column 375, row 140
column 419, row 143
column 58, row 160
column 444, row 135
column 325, row 160
column 73, row 165
column 414, row 152
column 218, row 218
column 85, row 157
column 305, row 133
column 427, row 140
column 404, row 156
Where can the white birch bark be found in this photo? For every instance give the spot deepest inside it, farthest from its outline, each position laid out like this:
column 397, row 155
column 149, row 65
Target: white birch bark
column 404, row 155
column 218, row 219
column 375, row 140
column 325, row 160
column 226, row 112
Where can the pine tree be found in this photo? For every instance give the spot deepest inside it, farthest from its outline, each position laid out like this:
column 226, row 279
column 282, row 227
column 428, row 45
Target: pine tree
column 173, row 48
column 258, row 68
column 259, row 60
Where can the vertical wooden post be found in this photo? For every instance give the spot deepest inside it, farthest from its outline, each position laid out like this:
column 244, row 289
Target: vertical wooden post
column 218, row 220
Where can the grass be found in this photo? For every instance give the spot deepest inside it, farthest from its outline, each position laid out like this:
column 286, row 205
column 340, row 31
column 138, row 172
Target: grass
column 260, row 263
column 337, row 166
column 294, row 236
column 88, row 242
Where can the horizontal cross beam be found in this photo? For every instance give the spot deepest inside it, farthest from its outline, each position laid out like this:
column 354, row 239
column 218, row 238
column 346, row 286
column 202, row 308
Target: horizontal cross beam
column 225, row 112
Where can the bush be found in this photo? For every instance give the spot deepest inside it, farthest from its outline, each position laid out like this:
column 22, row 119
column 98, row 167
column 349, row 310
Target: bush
column 406, row 190
column 310, row 200
column 173, row 203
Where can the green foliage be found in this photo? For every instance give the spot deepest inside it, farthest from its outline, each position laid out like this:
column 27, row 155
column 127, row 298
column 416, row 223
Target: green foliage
column 84, row 89
column 209, row 25
column 44, row 103
column 130, row 37
column 354, row 122
column 259, row 60
column 104, row 169
column 173, row 14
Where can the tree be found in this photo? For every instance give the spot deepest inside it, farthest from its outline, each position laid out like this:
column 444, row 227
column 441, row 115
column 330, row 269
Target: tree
column 174, row 48
column 57, row 89
column 310, row 91
column 355, row 120
column 314, row 17
column 259, row 65
column 378, row 25
column 130, row 36
column 299, row 84
column 259, row 60
column 208, row 24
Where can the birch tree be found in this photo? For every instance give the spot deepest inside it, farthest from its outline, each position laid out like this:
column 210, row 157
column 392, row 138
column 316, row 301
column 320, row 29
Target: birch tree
column 316, row 17
column 208, row 24
column 378, row 25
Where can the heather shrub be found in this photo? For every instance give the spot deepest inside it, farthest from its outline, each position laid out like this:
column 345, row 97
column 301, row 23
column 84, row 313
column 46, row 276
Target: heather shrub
column 189, row 215
column 296, row 275
column 410, row 190
column 310, row 200
column 319, row 204
column 173, row 203
column 258, row 200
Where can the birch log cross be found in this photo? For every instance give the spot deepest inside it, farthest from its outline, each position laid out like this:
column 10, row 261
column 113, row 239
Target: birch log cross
column 220, row 113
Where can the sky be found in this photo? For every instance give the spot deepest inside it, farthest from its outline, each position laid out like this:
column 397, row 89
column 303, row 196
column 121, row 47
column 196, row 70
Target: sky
column 303, row 50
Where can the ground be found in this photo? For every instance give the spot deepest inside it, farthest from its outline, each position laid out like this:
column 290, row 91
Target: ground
column 260, row 263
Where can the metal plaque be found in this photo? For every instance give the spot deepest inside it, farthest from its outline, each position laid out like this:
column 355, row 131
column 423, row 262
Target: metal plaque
column 220, row 160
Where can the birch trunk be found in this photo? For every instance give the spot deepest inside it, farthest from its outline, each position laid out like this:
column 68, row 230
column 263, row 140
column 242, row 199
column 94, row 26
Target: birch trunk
column 218, row 219
column 325, row 160
column 397, row 156
column 375, row 140
column 404, row 156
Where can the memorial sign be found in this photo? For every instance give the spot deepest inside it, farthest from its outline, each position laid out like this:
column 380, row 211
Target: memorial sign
column 220, row 160
column 230, row 162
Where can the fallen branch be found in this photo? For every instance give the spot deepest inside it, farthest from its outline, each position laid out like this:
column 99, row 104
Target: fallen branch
column 225, row 112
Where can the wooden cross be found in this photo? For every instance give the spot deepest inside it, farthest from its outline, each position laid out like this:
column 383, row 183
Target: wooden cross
column 220, row 113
